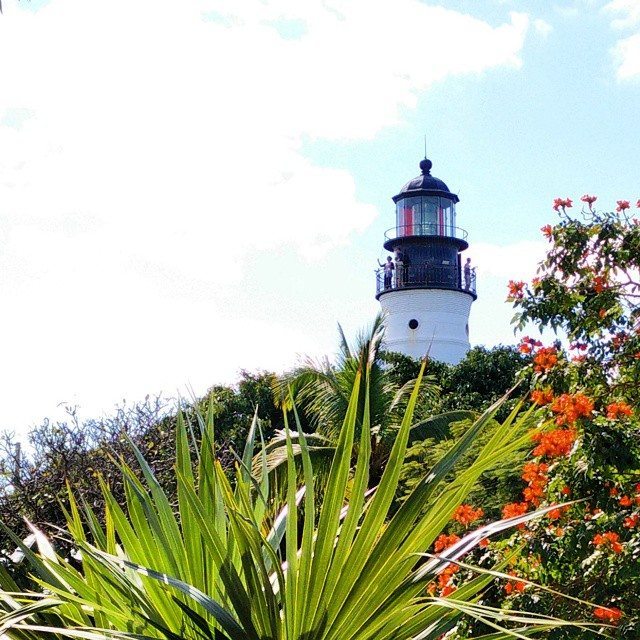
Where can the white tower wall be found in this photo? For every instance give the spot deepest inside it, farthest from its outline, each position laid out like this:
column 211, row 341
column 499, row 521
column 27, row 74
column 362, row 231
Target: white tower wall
column 443, row 323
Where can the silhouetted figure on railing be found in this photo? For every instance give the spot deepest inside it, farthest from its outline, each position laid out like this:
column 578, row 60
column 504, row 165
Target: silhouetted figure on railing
column 399, row 269
column 467, row 274
column 388, row 271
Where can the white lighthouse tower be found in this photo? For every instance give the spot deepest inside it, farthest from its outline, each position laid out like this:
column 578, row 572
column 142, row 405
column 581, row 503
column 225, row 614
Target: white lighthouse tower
column 427, row 296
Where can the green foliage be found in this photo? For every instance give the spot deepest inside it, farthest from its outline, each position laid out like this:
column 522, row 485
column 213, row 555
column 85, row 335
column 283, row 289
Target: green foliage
column 499, row 486
column 79, row 451
column 588, row 287
column 215, row 566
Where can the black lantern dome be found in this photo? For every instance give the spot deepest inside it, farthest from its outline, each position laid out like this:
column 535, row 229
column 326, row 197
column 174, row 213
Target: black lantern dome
column 426, row 184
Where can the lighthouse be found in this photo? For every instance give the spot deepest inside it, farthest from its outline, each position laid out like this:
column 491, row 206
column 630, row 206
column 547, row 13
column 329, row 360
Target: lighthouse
column 426, row 286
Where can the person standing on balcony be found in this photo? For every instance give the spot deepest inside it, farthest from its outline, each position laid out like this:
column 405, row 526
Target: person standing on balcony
column 399, row 268
column 467, row 274
column 388, row 271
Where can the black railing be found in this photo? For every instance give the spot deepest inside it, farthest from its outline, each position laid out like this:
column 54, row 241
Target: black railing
column 427, row 276
column 442, row 230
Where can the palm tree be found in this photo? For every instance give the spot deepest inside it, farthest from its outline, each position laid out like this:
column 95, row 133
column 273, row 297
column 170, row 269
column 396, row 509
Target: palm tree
column 322, row 391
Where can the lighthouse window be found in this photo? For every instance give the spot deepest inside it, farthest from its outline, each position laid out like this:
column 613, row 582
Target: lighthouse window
column 430, row 215
column 447, row 217
column 425, row 216
column 413, row 323
column 409, row 216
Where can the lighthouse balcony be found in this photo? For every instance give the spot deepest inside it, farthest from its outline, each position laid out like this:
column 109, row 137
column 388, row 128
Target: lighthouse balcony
column 426, row 277
column 422, row 230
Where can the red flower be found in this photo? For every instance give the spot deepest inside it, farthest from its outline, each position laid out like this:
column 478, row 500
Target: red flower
column 589, row 200
column 528, row 345
column 547, row 230
column 559, row 202
column 516, row 290
column 638, row 204
column 625, row 501
column 514, row 585
column 608, row 614
column 631, row 521
column 622, row 205
column 599, row 284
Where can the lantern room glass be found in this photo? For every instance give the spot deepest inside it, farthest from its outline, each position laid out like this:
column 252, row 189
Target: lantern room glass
column 425, row 216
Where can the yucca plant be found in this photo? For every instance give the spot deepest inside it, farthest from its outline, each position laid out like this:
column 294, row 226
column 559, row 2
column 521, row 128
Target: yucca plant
column 214, row 566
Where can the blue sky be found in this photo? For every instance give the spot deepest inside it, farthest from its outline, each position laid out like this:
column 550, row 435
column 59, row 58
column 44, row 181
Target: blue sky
column 188, row 189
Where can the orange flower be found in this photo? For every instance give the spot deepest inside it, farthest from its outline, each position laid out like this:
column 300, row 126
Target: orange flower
column 617, row 409
column 599, row 283
column 609, row 539
column 554, row 444
column 619, row 339
column 515, row 509
column 528, row 345
column 514, row 585
column 547, row 231
column 608, row 614
column 516, row 290
column 571, row 407
column 631, row 521
column 625, row 501
column 444, row 541
column 545, row 359
column 465, row 514
column 565, row 491
column 622, row 205
column 541, row 397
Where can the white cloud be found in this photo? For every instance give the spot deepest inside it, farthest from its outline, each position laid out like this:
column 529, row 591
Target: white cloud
column 517, row 261
column 628, row 12
column 542, row 27
column 491, row 315
column 151, row 152
column 626, row 52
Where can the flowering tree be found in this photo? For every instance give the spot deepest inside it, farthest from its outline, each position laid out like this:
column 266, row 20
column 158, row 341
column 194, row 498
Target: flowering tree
column 588, row 287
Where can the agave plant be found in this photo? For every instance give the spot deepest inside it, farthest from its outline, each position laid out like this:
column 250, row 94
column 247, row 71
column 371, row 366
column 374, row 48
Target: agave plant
column 214, row 566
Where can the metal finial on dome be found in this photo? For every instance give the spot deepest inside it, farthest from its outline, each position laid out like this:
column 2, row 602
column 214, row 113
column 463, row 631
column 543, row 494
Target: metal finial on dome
column 425, row 166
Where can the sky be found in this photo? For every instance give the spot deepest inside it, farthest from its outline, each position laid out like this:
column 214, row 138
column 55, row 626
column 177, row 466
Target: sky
column 192, row 188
